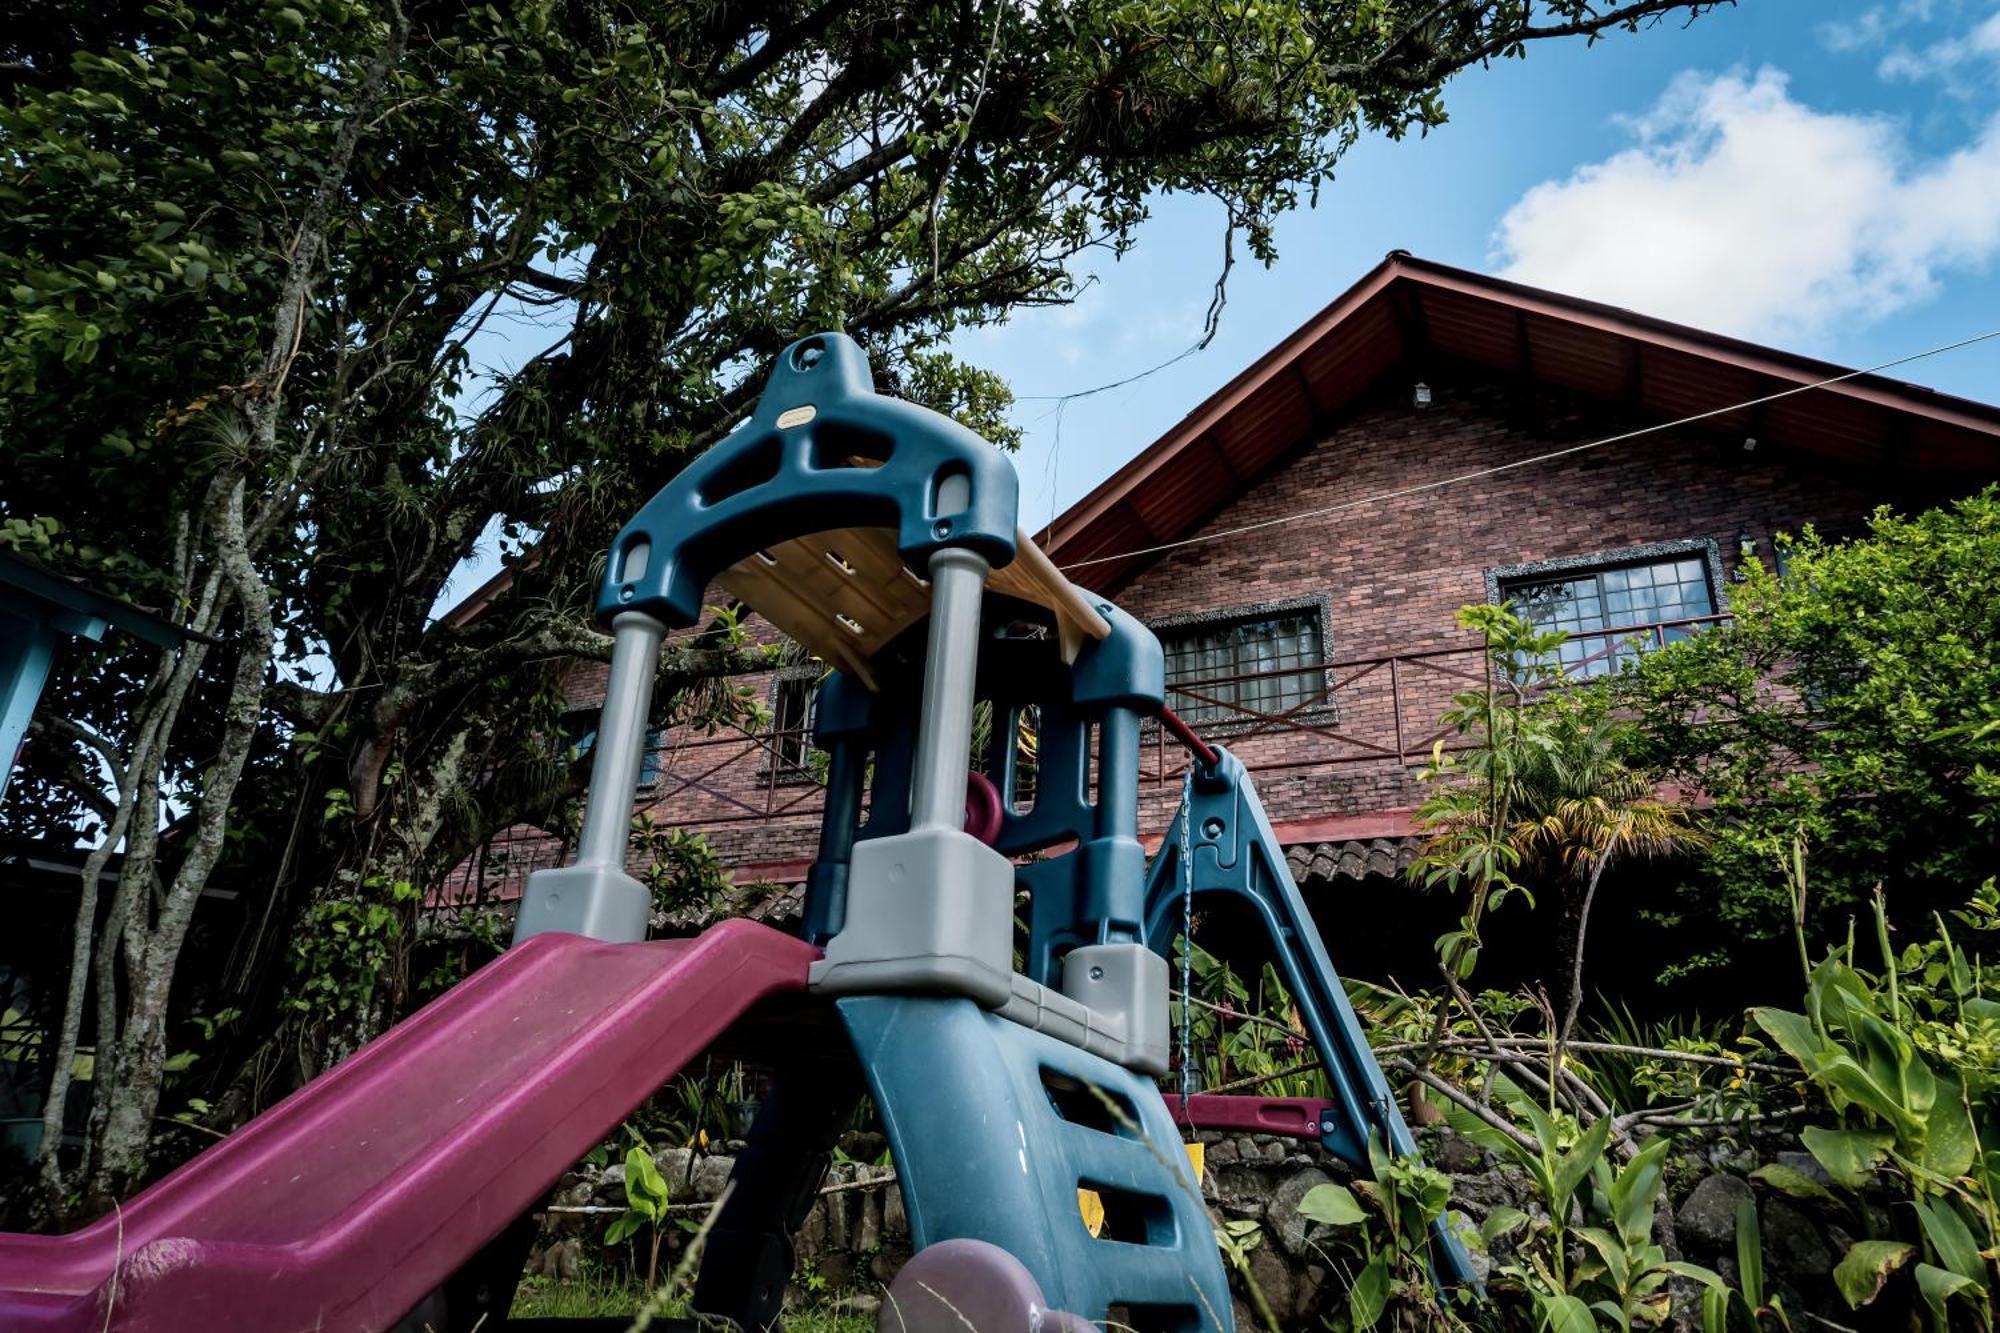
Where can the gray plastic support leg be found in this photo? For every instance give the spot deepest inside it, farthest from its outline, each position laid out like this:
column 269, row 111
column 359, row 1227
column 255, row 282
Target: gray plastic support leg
column 595, row 896
column 951, row 663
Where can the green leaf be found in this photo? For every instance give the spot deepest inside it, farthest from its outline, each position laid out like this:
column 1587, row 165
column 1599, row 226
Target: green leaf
column 1867, row 1266
column 1333, row 1205
column 1949, row 1141
column 1790, row 1180
column 643, row 1182
column 1566, row 1314
column 623, row 1227
column 1502, row 1221
column 1938, row 1286
column 1612, row 1251
column 1952, row 1239
column 1635, row 1191
column 1750, row 1252
column 1850, row 1156
column 1370, row 1293
column 1575, row 1165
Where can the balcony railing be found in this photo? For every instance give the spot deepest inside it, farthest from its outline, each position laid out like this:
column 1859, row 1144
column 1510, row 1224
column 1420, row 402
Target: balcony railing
column 1342, row 716
column 1385, row 709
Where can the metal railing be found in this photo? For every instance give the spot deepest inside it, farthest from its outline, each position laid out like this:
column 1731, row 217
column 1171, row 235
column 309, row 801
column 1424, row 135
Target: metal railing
column 1341, row 716
column 1382, row 709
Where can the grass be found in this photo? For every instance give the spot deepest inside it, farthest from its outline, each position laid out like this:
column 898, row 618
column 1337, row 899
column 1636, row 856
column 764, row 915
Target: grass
column 594, row 1296
column 582, row 1298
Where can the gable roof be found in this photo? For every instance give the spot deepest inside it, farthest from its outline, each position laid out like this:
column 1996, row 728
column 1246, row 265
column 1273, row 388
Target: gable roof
column 1411, row 310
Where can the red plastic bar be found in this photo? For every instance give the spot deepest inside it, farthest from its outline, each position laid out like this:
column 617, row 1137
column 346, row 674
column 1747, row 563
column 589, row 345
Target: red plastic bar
column 1185, row 735
column 1292, row 1117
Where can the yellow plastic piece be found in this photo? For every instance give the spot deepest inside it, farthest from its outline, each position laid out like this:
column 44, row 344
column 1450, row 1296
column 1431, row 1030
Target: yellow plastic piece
column 1092, row 1208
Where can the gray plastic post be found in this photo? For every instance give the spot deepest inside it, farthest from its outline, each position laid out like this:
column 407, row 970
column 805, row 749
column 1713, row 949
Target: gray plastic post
column 621, row 739
column 594, row 896
column 944, row 728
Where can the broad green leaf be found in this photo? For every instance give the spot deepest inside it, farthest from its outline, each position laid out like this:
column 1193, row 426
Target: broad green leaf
column 1576, row 1163
column 1790, row 1180
column 1867, row 1266
column 1636, row 1190
column 1566, row 1314
column 1370, row 1293
column 1850, row 1156
column 1333, row 1205
column 1708, row 1277
column 1952, row 1239
column 1949, row 1142
column 1611, row 1250
column 1502, row 1221
column 1614, row 1312
column 623, row 1227
column 1938, row 1286
column 1795, row 1035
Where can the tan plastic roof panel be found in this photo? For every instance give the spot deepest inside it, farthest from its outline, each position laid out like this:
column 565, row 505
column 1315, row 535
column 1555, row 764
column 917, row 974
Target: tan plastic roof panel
column 846, row 594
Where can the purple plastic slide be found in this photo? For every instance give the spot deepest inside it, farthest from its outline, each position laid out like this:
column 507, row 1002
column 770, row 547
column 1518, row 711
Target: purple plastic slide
column 341, row 1207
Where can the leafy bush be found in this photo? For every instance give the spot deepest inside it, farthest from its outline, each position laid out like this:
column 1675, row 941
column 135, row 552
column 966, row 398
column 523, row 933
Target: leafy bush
column 1852, row 707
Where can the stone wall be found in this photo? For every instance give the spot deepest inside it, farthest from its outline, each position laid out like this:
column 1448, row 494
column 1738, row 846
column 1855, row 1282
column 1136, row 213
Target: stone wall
column 857, row 1235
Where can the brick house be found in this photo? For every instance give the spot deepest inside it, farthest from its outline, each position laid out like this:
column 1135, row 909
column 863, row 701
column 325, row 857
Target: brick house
column 1306, row 595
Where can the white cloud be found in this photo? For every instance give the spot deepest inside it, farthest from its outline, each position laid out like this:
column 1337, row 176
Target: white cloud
column 1873, row 25
column 1965, row 64
column 1743, row 210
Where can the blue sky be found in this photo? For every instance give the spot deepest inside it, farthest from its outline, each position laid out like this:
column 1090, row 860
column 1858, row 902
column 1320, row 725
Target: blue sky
column 1821, row 175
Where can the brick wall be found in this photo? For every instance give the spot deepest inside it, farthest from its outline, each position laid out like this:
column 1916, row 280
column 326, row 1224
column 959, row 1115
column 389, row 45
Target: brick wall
column 1394, row 573
column 1391, row 574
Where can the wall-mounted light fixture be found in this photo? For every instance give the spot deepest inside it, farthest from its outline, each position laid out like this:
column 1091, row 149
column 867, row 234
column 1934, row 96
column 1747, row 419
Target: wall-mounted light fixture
column 1423, row 394
column 1746, row 545
column 1749, row 444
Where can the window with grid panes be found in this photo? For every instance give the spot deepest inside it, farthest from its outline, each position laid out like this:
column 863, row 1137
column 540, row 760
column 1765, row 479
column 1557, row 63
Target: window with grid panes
column 1259, row 664
column 580, row 728
column 1614, row 611
column 792, row 707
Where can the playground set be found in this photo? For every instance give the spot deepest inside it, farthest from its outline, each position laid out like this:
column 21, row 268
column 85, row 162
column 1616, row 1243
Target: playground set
column 398, row 1191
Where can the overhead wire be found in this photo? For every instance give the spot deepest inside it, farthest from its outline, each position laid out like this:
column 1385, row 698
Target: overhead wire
column 1565, row 452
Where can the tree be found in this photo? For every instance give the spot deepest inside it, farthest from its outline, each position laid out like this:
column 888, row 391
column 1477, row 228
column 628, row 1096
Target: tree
column 252, row 253
column 1540, row 797
column 1844, row 728
column 1583, row 806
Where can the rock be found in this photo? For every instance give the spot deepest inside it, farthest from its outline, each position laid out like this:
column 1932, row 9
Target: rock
column 561, row 1262
column 1282, row 1220
column 1221, row 1152
column 1707, row 1217
column 860, row 1303
column 1274, row 1279
column 1454, row 1154
column 1806, row 1165
column 1793, row 1246
column 675, row 1165
column 836, row 1218
column 711, row 1174
column 1475, row 1248
column 895, row 1222
column 868, row 1235
column 811, row 1238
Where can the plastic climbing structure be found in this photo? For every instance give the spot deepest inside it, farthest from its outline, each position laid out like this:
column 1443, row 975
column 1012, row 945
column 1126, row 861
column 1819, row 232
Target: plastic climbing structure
column 398, row 1190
